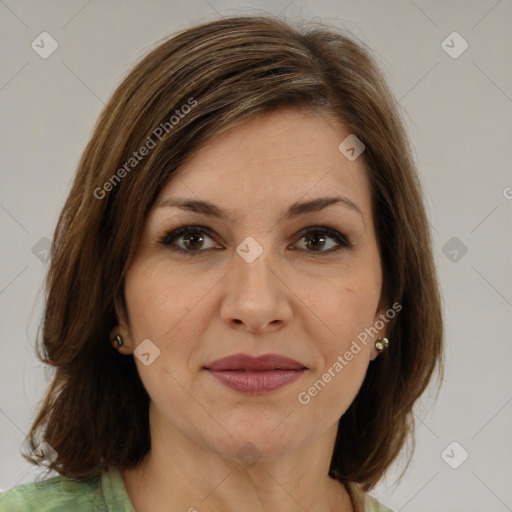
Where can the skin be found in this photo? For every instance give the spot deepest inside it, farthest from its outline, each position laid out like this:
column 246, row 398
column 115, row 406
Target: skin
column 296, row 299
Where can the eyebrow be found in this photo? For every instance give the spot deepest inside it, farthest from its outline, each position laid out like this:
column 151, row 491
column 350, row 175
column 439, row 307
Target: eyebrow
column 296, row 209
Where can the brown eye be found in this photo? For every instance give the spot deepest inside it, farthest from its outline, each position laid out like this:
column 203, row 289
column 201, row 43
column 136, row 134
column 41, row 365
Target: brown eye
column 189, row 239
column 315, row 241
column 323, row 239
column 193, row 241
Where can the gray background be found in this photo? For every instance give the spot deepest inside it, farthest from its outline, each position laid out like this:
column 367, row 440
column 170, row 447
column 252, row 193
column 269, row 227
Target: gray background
column 458, row 113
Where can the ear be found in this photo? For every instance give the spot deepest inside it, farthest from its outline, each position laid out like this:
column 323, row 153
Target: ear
column 126, row 347
column 380, row 324
column 122, row 328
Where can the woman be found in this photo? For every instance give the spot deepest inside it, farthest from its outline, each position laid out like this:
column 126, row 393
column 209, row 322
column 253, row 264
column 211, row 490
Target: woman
column 242, row 303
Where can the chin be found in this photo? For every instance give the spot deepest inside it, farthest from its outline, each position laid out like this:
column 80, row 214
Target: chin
column 256, row 444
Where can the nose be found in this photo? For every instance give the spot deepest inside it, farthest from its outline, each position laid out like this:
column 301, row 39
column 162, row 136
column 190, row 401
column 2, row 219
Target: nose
column 256, row 297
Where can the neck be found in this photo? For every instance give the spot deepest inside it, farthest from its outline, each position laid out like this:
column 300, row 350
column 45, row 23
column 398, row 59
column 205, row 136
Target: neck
column 179, row 474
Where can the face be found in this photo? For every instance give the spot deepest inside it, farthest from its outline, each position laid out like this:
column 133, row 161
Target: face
column 302, row 283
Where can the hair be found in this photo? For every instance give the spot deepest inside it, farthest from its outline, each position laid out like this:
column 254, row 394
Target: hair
column 184, row 93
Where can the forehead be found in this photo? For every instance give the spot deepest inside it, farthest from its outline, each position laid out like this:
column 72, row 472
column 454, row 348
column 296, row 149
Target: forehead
column 272, row 160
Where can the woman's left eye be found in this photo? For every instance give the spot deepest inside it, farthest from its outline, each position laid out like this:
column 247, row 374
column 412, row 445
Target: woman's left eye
column 319, row 235
column 193, row 239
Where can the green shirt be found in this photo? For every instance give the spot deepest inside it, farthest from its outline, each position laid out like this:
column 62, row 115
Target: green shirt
column 105, row 493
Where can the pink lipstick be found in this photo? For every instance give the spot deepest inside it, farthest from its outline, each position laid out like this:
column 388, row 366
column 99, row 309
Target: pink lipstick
column 255, row 375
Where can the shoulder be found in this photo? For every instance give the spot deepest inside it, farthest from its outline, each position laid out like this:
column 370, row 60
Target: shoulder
column 56, row 494
column 363, row 502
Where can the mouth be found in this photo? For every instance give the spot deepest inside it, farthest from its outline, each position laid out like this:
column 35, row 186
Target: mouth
column 267, row 362
column 255, row 375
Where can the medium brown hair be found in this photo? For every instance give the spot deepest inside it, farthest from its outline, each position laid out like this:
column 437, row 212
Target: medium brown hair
column 95, row 412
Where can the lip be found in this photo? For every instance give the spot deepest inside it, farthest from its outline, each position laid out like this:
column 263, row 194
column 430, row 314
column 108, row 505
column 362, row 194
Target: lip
column 247, row 362
column 256, row 382
column 256, row 375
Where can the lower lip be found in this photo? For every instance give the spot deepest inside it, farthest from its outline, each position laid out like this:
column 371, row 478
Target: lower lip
column 256, row 382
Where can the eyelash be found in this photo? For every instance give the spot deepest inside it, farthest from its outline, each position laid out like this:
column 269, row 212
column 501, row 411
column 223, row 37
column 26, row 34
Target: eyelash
column 169, row 238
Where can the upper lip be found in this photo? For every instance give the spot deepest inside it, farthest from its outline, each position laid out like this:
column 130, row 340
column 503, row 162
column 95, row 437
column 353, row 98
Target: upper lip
column 260, row 363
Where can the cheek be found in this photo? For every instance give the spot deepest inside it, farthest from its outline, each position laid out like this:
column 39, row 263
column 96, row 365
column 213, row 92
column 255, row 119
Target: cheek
column 344, row 359
column 345, row 351
column 158, row 297
column 332, row 388
column 348, row 308
column 158, row 307
column 165, row 307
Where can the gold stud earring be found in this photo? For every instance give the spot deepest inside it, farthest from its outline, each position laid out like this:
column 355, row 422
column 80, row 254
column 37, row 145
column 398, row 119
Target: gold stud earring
column 382, row 344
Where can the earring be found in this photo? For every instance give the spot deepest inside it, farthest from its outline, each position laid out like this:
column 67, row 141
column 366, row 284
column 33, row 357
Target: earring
column 117, row 341
column 382, row 344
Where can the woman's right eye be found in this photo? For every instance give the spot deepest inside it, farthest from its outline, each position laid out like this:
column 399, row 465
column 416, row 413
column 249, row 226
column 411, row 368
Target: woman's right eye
column 193, row 240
